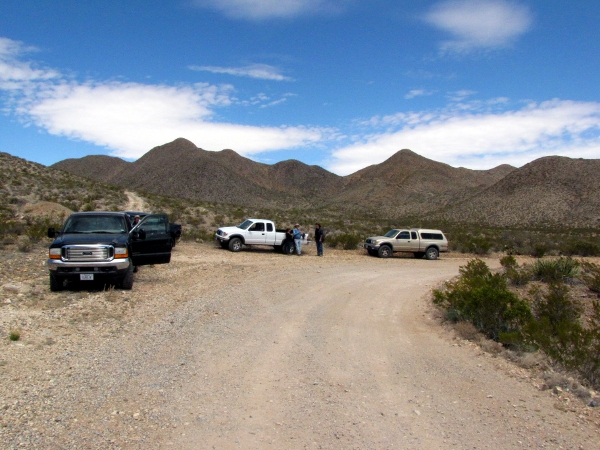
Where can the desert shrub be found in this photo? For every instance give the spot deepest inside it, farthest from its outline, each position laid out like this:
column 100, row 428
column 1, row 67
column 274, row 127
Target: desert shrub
column 508, row 261
column 37, row 228
column 580, row 248
column 590, row 275
column 467, row 330
column 518, row 276
column 347, row 241
column 554, row 270
column 483, row 298
column 539, row 250
column 566, row 341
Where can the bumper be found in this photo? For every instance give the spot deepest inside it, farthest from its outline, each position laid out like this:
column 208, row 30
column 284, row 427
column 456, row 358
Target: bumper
column 371, row 246
column 100, row 269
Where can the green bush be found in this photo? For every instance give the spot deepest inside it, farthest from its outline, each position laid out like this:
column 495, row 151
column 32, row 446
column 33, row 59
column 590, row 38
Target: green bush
column 562, row 337
column 508, row 261
column 590, row 275
column 348, row 241
column 539, row 250
column 484, row 299
column 554, row 270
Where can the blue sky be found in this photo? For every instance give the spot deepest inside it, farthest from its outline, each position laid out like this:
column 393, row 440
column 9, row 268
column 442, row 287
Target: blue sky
column 338, row 83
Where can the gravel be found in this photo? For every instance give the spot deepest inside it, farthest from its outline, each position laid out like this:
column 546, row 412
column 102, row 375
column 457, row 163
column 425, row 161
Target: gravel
column 260, row 350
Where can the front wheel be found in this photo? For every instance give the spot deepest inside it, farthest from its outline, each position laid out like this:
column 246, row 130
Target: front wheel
column 56, row 284
column 385, row 251
column 235, row 244
column 127, row 280
column 431, row 253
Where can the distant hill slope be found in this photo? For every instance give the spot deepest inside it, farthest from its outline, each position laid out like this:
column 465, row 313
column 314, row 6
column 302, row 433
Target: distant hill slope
column 552, row 190
column 98, row 167
column 409, row 184
column 29, row 190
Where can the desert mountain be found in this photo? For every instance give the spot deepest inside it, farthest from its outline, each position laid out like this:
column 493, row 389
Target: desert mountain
column 551, row 190
column 404, row 184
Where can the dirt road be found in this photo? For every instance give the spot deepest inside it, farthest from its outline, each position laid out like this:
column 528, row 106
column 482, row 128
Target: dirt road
column 259, row 350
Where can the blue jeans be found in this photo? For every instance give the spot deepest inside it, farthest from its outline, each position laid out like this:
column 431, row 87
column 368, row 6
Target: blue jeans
column 319, row 248
column 298, row 243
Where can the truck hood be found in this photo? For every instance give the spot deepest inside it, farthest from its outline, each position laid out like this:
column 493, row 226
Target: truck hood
column 378, row 238
column 231, row 230
column 88, row 239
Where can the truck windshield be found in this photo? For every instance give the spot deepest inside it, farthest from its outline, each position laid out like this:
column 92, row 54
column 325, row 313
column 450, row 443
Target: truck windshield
column 95, row 224
column 245, row 224
column 391, row 233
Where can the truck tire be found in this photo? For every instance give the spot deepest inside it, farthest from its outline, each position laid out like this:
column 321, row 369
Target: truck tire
column 278, row 248
column 385, row 251
column 235, row 244
column 431, row 253
column 56, row 284
column 127, row 280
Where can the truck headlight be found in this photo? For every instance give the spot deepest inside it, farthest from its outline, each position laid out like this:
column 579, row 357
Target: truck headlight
column 121, row 252
column 54, row 253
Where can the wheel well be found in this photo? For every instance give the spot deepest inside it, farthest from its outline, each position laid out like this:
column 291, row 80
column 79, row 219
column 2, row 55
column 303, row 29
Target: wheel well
column 241, row 238
column 432, row 246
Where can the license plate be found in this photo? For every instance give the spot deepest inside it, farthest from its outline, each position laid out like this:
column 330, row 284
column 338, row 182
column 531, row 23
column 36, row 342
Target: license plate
column 86, row 276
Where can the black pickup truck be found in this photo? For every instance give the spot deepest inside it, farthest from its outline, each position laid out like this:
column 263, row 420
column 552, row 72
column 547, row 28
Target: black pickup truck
column 104, row 246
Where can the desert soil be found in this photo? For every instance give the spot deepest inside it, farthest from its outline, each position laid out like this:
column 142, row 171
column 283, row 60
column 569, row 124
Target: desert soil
column 257, row 350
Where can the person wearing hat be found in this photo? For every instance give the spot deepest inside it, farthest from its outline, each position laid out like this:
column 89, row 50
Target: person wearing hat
column 298, row 239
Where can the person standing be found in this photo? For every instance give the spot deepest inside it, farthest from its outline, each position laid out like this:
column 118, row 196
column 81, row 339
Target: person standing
column 298, row 239
column 319, row 238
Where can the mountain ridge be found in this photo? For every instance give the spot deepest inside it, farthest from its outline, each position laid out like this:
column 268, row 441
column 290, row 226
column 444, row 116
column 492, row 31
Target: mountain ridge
column 546, row 191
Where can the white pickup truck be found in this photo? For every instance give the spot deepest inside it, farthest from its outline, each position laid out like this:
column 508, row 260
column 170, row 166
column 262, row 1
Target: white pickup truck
column 255, row 232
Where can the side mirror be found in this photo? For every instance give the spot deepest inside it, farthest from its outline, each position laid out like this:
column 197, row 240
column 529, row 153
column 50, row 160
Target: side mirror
column 51, row 232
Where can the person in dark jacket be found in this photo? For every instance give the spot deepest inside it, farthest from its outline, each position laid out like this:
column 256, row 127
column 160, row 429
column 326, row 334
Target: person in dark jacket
column 319, row 238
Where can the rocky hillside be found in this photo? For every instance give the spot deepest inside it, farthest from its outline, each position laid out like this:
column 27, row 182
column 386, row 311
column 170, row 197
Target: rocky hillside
column 547, row 192
column 31, row 191
column 404, row 184
column 552, row 191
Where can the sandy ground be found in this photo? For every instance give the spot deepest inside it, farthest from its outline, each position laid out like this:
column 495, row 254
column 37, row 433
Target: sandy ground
column 256, row 350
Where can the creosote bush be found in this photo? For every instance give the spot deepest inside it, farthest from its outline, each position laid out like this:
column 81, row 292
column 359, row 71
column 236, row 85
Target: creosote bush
column 483, row 298
column 548, row 318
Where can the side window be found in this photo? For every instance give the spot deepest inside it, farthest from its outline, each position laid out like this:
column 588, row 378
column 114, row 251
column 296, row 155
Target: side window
column 269, row 227
column 258, row 226
column 155, row 225
column 404, row 235
column 413, row 235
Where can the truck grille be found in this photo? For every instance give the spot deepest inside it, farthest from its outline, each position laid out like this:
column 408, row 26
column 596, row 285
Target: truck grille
column 83, row 253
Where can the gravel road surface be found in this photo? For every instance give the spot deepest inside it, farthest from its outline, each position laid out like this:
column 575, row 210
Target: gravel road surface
column 258, row 350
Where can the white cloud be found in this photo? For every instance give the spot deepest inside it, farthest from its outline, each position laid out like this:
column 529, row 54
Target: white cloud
column 480, row 140
column 260, row 71
column 13, row 73
column 132, row 118
column 479, row 24
column 418, row 93
column 267, row 9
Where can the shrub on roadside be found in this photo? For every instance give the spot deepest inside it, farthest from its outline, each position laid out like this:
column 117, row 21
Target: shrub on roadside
column 347, row 241
column 483, row 298
column 590, row 275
